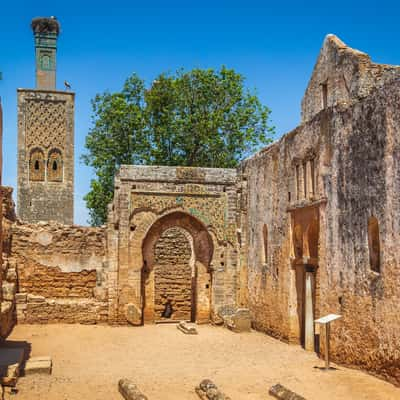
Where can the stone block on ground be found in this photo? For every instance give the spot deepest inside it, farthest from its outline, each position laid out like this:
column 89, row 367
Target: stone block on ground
column 240, row 321
column 38, row 365
column 133, row 315
column 207, row 390
column 130, row 391
column 10, row 362
column 280, row 392
column 188, row 329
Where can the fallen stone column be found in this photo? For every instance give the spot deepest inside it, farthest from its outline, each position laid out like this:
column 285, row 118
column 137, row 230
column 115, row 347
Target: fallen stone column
column 130, row 391
column 186, row 328
column 280, row 392
column 207, row 390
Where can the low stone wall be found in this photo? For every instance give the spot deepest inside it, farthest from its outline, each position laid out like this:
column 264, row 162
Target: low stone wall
column 33, row 309
column 61, row 273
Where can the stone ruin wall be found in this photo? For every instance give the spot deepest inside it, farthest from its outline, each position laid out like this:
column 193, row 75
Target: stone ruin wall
column 356, row 161
column 61, row 274
column 8, row 275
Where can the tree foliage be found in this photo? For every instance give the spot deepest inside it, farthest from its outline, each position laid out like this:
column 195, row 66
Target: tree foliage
column 200, row 118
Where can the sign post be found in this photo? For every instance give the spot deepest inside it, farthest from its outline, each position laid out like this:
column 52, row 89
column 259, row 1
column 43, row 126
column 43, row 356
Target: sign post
column 327, row 322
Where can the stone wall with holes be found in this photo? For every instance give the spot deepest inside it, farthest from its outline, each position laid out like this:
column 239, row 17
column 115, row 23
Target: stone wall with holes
column 45, row 156
column 61, row 273
column 325, row 196
column 147, row 202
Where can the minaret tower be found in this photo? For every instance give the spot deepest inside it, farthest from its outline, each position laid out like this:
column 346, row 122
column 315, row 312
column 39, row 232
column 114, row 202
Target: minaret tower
column 46, row 31
column 45, row 136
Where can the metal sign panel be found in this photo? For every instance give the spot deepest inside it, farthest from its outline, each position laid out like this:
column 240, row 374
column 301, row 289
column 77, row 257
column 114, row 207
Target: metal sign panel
column 327, row 318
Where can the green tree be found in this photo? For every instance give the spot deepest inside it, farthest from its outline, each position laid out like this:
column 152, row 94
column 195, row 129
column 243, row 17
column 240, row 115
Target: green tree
column 200, row 118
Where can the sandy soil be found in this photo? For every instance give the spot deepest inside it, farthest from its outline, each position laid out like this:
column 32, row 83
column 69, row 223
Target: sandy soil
column 88, row 361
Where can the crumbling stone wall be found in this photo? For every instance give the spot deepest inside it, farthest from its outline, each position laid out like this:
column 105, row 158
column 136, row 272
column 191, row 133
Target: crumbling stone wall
column 173, row 275
column 8, row 275
column 315, row 191
column 61, row 273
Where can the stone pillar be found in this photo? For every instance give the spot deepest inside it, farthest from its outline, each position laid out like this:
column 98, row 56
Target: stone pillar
column 309, row 177
column 294, row 323
column 309, row 310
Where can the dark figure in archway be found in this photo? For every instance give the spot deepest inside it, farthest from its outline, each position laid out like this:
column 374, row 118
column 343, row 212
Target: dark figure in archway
column 167, row 310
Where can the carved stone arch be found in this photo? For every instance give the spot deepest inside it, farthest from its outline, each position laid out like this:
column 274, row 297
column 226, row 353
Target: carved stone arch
column 202, row 247
column 55, row 166
column 37, row 165
column 202, row 241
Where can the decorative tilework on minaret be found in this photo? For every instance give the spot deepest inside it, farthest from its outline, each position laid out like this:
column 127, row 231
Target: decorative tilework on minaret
column 46, row 31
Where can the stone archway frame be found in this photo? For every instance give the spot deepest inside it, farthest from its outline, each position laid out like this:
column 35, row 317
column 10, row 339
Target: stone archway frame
column 147, row 228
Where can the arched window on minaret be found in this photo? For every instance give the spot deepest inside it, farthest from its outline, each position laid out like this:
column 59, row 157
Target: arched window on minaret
column 55, row 166
column 36, row 165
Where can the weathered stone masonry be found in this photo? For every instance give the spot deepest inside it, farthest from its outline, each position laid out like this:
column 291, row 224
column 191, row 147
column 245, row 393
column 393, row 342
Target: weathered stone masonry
column 45, row 137
column 327, row 196
column 60, row 273
column 308, row 226
column 150, row 200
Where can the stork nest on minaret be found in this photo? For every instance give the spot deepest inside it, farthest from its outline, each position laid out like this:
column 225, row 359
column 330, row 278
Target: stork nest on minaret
column 45, row 25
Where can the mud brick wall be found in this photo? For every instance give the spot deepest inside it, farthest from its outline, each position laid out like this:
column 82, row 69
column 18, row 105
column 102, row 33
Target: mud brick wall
column 173, row 274
column 52, row 282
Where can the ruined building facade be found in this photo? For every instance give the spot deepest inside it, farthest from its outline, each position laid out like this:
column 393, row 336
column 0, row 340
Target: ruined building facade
column 45, row 137
column 306, row 227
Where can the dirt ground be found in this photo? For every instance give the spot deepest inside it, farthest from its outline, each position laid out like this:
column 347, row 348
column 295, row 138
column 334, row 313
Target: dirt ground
column 88, row 361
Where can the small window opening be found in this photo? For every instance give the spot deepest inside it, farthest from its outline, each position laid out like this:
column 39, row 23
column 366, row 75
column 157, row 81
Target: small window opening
column 54, row 166
column 37, row 165
column 324, row 87
column 289, row 197
column 305, row 180
column 374, row 245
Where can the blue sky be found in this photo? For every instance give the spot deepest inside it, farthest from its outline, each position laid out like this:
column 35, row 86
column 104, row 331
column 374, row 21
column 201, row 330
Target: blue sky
column 273, row 44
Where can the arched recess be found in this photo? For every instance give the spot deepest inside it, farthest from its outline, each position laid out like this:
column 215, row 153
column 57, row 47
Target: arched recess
column 55, row 166
column 298, row 241
column 202, row 251
column 312, row 237
column 36, row 165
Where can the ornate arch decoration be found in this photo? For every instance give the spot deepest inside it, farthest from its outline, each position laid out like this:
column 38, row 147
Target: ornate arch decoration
column 202, row 242
column 55, row 166
column 37, row 165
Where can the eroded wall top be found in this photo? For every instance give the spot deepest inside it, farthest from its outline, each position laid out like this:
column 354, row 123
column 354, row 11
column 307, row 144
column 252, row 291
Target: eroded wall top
column 342, row 75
